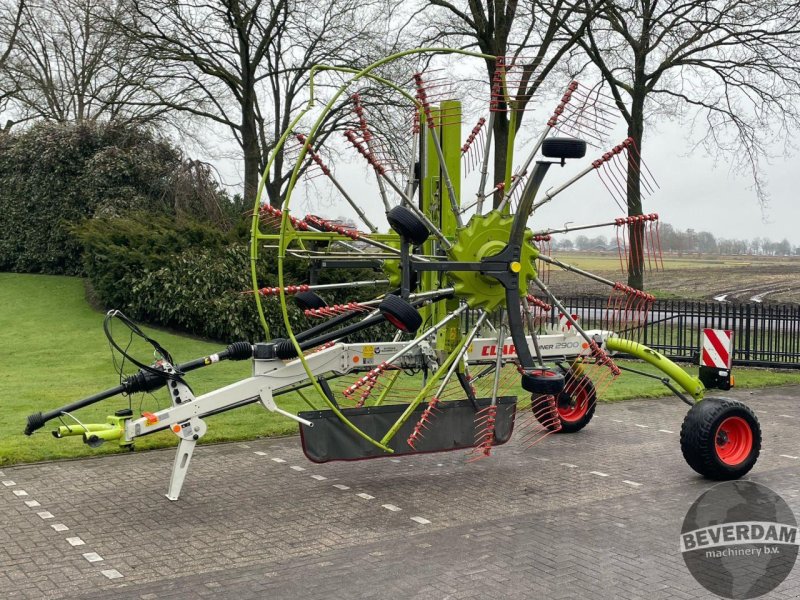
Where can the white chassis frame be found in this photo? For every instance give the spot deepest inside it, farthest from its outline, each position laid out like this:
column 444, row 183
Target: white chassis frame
column 184, row 417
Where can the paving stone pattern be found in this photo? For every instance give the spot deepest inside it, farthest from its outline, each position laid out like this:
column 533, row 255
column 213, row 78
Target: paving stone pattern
column 591, row 515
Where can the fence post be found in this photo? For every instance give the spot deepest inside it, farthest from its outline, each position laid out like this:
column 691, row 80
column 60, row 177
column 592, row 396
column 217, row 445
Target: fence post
column 747, row 332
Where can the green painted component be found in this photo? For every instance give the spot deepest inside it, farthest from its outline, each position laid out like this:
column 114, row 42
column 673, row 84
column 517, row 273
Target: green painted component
column 327, row 236
column 306, row 400
column 431, row 188
column 433, row 380
column 450, row 138
column 691, row 385
column 255, row 231
column 485, row 236
column 388, row 387
column 391, row 268
column 283, row 241
column 69, row 430
column 512, row 134
column 111, row 434
column 113, row 429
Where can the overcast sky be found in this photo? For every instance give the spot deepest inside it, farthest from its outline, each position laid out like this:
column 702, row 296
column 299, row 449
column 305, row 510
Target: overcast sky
column 694, row 192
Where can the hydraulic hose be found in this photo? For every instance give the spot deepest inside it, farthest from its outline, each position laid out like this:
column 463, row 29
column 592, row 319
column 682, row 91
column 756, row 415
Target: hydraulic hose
column 142, row 381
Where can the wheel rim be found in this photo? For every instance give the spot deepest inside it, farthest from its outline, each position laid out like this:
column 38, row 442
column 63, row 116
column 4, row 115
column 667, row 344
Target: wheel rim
column 396, row 322
column 544, row 373
column 734, row 440
column 571, row 413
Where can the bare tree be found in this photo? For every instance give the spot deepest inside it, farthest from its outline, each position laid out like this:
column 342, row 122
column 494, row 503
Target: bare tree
column 244, row 64
column 68, row 65
column 537, row 36
column 11, row 14
column 732, row 65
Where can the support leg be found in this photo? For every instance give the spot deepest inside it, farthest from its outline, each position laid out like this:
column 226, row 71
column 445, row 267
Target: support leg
column 180, row 467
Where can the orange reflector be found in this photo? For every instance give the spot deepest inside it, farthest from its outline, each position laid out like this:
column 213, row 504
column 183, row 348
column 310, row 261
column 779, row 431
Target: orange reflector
column 151, row 418
column 176, row 428
column 733, row 381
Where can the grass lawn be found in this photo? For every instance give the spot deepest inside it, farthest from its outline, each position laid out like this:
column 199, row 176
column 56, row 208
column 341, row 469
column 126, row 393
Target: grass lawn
column 53, row 351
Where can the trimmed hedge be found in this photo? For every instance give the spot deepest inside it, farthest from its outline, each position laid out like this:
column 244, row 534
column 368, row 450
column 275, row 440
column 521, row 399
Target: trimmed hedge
column 190, row 277
column 53, row 176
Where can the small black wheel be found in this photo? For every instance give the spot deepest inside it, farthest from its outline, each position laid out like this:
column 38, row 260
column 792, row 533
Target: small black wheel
column 545, row 382
column 574, row 406
column 400, row 313
column 407, row 225
column 557, row 147
column 721, row 438
column 309, row 300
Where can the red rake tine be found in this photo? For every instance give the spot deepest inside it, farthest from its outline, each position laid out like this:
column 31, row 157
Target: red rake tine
column 622, row 172
column 643, row 181
column 651, row 242
column 647, row 241
column 622, row 301
column 633, row 258
column 613, row 187
column 646, row 173
column 613, row 308
column 608, row 188
column 654, row 239
column 621, row 246
column 596, row 115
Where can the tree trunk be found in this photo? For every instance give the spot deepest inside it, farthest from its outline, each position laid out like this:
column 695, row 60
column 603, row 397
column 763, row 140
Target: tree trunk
column 252, row 155
column 500, row 142
column 634, row 199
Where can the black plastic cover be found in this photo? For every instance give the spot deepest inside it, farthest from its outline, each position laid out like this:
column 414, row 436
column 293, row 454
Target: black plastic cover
column 452, row 428
column 713, row 378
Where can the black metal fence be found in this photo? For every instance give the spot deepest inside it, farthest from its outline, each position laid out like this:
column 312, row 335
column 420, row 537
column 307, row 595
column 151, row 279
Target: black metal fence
column 764, row 335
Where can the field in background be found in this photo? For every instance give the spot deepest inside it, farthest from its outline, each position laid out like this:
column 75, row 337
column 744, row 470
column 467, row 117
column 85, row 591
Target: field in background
column 53, row 351
column 738, row 278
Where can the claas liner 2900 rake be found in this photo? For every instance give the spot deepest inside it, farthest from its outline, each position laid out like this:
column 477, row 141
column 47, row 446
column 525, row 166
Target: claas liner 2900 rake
column 463, row 285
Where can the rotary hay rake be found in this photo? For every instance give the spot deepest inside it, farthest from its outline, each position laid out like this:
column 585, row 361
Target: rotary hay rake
column 464, row 285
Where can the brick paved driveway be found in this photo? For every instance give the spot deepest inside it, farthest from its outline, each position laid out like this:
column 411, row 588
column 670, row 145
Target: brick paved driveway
column 591, row 515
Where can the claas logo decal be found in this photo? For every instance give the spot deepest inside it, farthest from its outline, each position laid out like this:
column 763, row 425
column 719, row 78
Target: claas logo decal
column 492, row 350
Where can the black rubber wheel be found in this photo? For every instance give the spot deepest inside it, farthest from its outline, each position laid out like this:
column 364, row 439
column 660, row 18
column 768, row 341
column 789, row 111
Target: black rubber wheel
column 543, row 382
column 721, row 438
column 556, row 147
column 400, row 313
column 407, row 225
column 309, row 300
column 575, row 405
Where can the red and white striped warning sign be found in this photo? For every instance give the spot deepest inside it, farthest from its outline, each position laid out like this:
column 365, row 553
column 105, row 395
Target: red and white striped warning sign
column 716, row 351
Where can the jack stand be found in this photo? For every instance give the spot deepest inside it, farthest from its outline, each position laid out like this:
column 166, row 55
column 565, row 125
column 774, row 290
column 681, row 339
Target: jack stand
column 189, row 432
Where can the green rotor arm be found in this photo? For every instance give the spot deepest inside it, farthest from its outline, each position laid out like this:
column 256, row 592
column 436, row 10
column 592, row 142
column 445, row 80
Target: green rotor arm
column 691, row 385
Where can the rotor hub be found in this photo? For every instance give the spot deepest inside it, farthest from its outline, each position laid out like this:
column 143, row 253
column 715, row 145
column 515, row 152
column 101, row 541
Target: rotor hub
column 483, row 237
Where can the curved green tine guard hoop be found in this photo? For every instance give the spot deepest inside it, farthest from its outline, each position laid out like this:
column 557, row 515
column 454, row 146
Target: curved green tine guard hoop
column 284, row 240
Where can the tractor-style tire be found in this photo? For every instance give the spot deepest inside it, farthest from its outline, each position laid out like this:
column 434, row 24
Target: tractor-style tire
column 721, row 438
column 309, row 300
column 407, row 225
column 563, row 148
column 543, row 382
column 576, row 404
column 400, row 313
